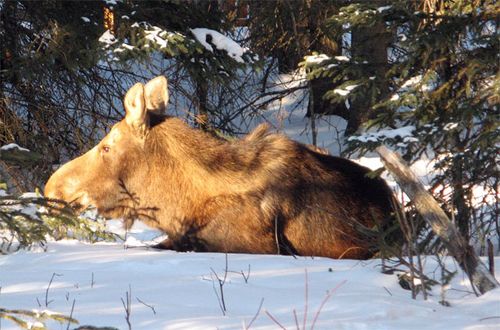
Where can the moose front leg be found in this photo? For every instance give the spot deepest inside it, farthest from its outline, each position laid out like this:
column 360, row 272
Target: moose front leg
column 166, row 244
column 183, row 243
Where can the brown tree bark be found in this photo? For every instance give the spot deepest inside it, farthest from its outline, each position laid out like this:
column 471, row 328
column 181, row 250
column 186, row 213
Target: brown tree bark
column 369, row 45
column 318, row 13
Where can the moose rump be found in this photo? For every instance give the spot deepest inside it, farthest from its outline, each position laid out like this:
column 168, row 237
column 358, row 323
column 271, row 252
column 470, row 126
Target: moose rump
column 261, row 194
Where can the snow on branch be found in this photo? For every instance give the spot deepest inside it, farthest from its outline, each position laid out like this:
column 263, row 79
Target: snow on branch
column 209, row 37
column 405, row 133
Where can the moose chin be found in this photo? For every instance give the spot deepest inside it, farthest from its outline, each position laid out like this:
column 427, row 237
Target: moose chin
column 263, row 193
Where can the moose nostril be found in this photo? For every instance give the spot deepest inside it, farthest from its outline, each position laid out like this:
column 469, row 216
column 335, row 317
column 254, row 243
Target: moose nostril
column 54, row 192
column 55, row 198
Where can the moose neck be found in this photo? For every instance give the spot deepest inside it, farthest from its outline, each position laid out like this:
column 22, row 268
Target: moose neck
column 185, row 167
column 193, row 151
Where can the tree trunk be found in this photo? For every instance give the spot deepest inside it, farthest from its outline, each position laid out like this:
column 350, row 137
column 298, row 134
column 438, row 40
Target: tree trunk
column 369, row 46
column 427, row 206
column 202, row 118
column 318, row 13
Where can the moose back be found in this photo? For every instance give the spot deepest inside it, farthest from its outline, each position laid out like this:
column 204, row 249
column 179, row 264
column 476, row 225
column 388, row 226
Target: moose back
column 261, row 194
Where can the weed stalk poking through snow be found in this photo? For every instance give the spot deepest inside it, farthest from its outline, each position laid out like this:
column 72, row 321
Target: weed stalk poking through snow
column 127, row 305
column 328, row 295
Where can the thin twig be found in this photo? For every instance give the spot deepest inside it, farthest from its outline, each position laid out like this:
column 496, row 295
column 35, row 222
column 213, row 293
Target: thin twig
column 242, row 273
column 220, row 298
column 71, row 314
column 150, row 306
column 296, row 319
column 276, row 237
column 256, row 315
column 128, row 306
column 489, row 318
column 306, row 301
column 328, row 296
column 274, row 320
column 47, row 302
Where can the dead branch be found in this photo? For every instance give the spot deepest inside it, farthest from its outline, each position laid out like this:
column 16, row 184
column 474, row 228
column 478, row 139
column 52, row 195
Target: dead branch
column 432, row 213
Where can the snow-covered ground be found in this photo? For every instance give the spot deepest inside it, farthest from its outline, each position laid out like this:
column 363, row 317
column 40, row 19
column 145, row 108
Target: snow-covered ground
column 182, row 290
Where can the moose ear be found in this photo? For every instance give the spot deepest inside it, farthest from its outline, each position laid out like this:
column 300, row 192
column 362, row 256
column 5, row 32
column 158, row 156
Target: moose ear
column 135, row 106
column 156, row 94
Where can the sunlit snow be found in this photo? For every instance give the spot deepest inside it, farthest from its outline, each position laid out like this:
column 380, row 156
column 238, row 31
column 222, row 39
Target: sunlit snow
column 220, row 41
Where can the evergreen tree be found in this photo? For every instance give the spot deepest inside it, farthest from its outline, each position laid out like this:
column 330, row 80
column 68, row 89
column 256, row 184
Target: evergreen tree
column 442, row 86
column 171, row 29
column 286, row 31
column 54, row 97
column 65, row 66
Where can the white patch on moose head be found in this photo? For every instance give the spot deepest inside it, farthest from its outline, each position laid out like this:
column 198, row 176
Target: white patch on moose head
column 72, row 182
column 114, row 135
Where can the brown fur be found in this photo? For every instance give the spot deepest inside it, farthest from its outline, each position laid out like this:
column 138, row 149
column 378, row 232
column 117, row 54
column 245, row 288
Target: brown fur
column 262, row 194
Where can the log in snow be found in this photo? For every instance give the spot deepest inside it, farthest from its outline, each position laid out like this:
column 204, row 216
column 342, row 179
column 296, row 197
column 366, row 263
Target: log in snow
column 427, row 206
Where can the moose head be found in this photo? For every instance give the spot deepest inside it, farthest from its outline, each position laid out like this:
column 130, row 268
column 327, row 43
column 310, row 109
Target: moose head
column 98, row 178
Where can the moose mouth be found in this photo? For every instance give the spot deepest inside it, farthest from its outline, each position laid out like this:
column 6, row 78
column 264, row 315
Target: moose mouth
column 80, row 206
column 80, row 203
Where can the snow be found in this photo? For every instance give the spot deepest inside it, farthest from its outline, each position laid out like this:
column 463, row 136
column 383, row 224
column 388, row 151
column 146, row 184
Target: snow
column 430, row 84
column 395, row 97
column 450, row 126
column 412, row 81
column 384, row 8
column 157, row 35
column 13, row 146
column 316, row 59
column 123, row 47
column 30, row 195
column 220, row 41
column 345, row 90
column 181, row 288
column 347, row 104
column 107, row 38
column 405, row 133
column 34, row 325
column 350, row 87
column 340, row 91
column 31, row 211
column 342, row 58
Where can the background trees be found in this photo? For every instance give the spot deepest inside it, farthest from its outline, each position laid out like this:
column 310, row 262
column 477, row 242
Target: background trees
column 62, row 77
column 435, row 97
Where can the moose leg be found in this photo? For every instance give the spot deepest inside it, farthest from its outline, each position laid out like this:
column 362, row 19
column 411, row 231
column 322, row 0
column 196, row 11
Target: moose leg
column 189, row 241
column 166, row 244
column 236, row 224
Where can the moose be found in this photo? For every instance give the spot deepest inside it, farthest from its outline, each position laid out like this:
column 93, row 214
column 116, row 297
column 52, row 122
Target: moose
column 263, row 193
